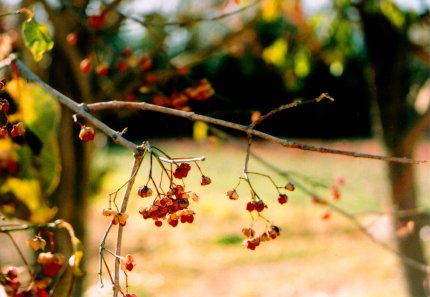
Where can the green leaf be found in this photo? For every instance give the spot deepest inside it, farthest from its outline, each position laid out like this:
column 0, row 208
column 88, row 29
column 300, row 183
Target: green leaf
column 28, row 193
column 36, row 38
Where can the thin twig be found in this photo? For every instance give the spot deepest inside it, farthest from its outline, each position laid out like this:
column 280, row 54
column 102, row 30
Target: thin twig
column 246, row 129
column 351, row 217
column 21, row 255
column 138, row 158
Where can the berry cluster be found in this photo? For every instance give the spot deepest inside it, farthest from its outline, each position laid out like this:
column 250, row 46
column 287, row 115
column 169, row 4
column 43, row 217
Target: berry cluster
column 153, row 80
column 6, row 128
column 253, row 241
column 50, row 263
column 255, row 207
column 171, row 205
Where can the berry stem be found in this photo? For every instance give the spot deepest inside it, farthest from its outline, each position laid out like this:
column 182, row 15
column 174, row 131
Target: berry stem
column 138, row 158
column 21, row 255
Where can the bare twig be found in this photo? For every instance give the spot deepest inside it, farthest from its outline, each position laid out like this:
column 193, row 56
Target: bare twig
column 351, row 217
column 246, row 129
column 138, row 158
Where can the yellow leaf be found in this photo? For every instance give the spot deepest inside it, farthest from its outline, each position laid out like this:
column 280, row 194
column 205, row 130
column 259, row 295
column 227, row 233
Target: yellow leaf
column 270, row 10
column 28, row 192
column 200, row 131
column 40, row 113
column 276, row 53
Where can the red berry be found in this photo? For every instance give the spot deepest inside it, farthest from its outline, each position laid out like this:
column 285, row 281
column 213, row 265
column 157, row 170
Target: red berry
column 127, row 263
column 3, row 133
column 184, row 219
column 121, row 66
column 102, row 69
column 11, row 273
column 72, row 38
column 259, row 205
column 145, row 63
column 86, row 134
column 85, row 65
column 4, row 105
column 96, row 21
column 206, row 180
column 151, row 79
column 173, row 223
column 51, row 263
column 250, row 206
column 282, row 199
column 183, row 70
column 127, row 52
column 190, row 218
column 158, row 223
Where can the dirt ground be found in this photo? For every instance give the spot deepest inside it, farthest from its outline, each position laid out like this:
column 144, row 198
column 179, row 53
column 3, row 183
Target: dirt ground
column 312, row 258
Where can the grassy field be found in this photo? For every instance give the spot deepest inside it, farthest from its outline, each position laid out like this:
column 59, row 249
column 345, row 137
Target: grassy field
column 312, row 258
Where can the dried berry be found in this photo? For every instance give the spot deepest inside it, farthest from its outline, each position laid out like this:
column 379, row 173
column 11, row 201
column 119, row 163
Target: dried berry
column 144, row 191
column 233, row 195
column 37, row 243
column 127, row 263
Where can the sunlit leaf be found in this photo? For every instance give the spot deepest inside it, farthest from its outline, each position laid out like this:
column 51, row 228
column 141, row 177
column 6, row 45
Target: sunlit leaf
column 270, row 10
column 41, row 114
column 276, row 53
column 36, row 38
column 29, row 193
column 200, row 131
column 302, row 65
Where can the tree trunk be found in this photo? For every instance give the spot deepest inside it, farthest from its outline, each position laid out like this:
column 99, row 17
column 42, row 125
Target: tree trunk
column 387, row 52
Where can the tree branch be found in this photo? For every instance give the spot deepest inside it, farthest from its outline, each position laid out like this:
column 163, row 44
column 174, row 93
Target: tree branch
column 246, row 129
